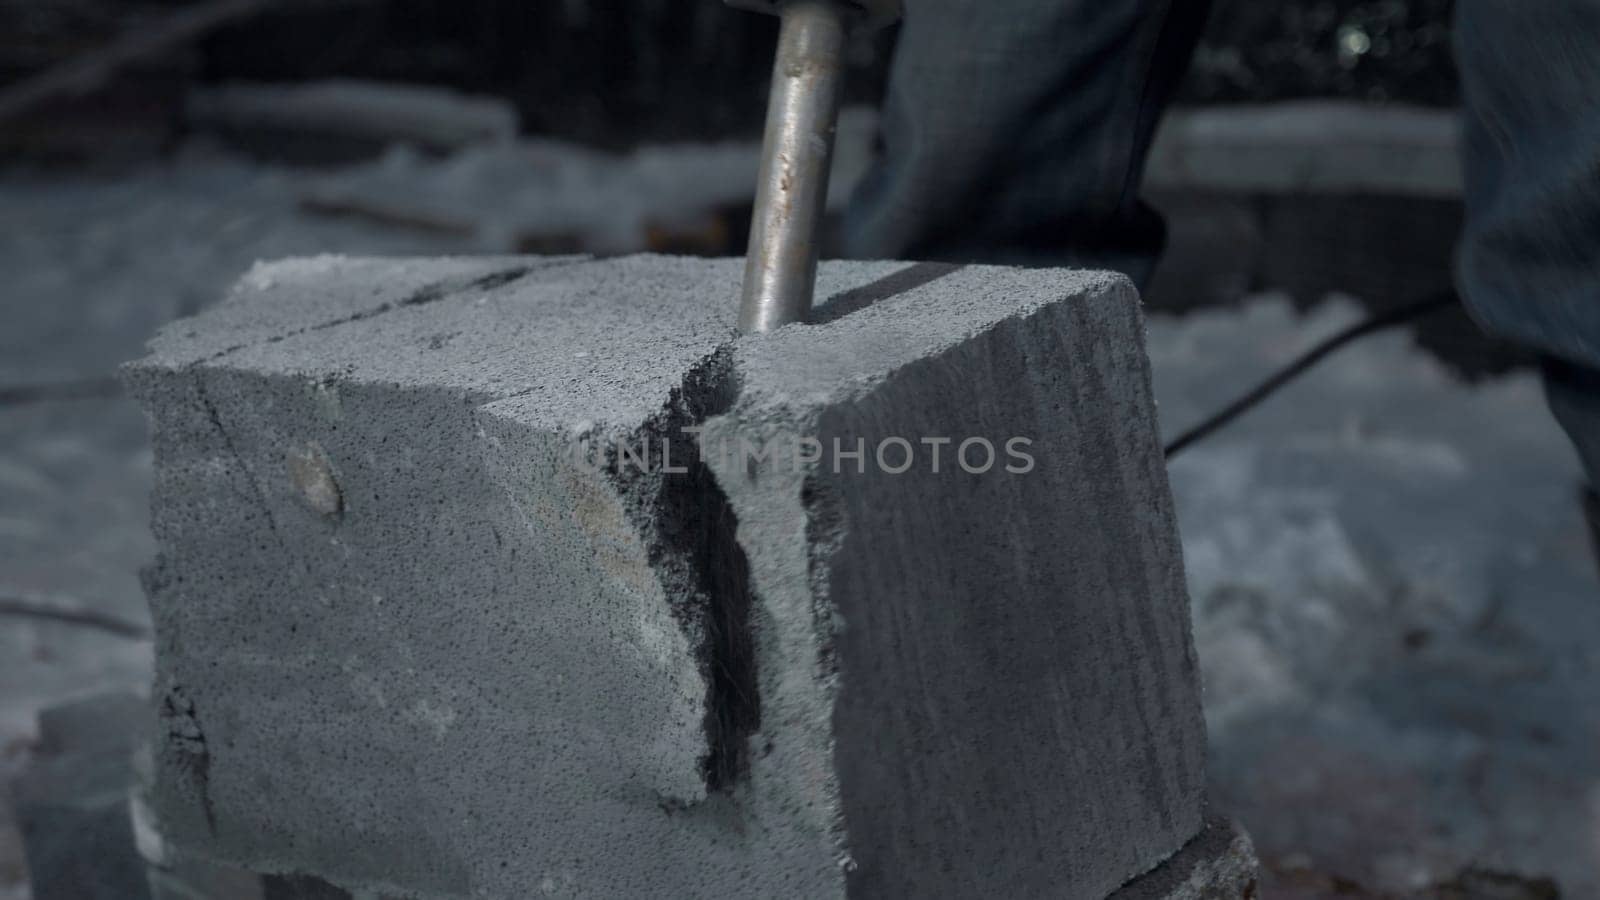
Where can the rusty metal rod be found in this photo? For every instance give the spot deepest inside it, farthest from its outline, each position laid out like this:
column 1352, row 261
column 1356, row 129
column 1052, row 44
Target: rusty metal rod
column 791, row 192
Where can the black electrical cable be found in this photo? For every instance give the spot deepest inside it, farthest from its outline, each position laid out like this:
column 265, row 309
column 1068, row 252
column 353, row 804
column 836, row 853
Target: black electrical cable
column 93, row 388
column 1305, row 361
column 16, row 606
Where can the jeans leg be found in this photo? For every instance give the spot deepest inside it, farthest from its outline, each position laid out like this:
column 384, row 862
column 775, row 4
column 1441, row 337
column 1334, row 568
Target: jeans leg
column 1573, row 392
column 1016, row 132
column 1529, row 263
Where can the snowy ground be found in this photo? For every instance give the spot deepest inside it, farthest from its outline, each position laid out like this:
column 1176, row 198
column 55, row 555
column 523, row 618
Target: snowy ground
column 1395, row 600
column 1395, row 606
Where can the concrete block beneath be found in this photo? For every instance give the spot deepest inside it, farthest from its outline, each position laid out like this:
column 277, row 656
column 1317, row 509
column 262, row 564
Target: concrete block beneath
column 198, row 879
column 72, row 801
column 469, row 586
column 1219, row 864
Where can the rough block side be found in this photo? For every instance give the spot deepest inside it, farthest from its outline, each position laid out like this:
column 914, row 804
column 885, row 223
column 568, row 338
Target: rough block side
column 1009, row 703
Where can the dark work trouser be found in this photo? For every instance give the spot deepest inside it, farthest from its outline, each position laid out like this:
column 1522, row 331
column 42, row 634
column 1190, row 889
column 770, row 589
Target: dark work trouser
column 1016, row 132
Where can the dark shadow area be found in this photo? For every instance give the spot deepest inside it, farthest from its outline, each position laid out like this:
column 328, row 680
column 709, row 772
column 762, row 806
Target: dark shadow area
column 908, row 279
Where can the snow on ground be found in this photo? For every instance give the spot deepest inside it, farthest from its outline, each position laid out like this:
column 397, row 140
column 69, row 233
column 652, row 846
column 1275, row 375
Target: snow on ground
column 534, row 192
column 544, row 192
column 1395, row 606
column 1395, row 600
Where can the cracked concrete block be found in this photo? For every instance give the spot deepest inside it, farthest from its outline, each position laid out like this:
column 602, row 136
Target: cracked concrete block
column 529, row 576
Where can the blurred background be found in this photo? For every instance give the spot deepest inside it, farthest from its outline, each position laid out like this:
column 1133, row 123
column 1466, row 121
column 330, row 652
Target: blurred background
column 1394, row 586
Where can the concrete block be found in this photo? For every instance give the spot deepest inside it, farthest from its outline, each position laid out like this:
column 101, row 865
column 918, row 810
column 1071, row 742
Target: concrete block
column 525, row 579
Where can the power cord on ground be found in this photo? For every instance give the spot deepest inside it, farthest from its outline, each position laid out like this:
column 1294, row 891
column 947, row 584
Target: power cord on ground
column 1304, row 362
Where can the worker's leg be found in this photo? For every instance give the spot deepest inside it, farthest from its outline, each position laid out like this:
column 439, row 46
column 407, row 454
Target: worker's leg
column 1016, row 131
column 1529, row 265
column 1574, row 395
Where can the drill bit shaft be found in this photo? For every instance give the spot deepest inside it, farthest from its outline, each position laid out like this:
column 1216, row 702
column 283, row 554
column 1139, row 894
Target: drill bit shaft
column 792, row 190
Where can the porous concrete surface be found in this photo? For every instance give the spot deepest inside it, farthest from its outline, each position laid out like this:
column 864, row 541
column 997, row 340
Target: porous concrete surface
column 406, row 644
column 1031, row 627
